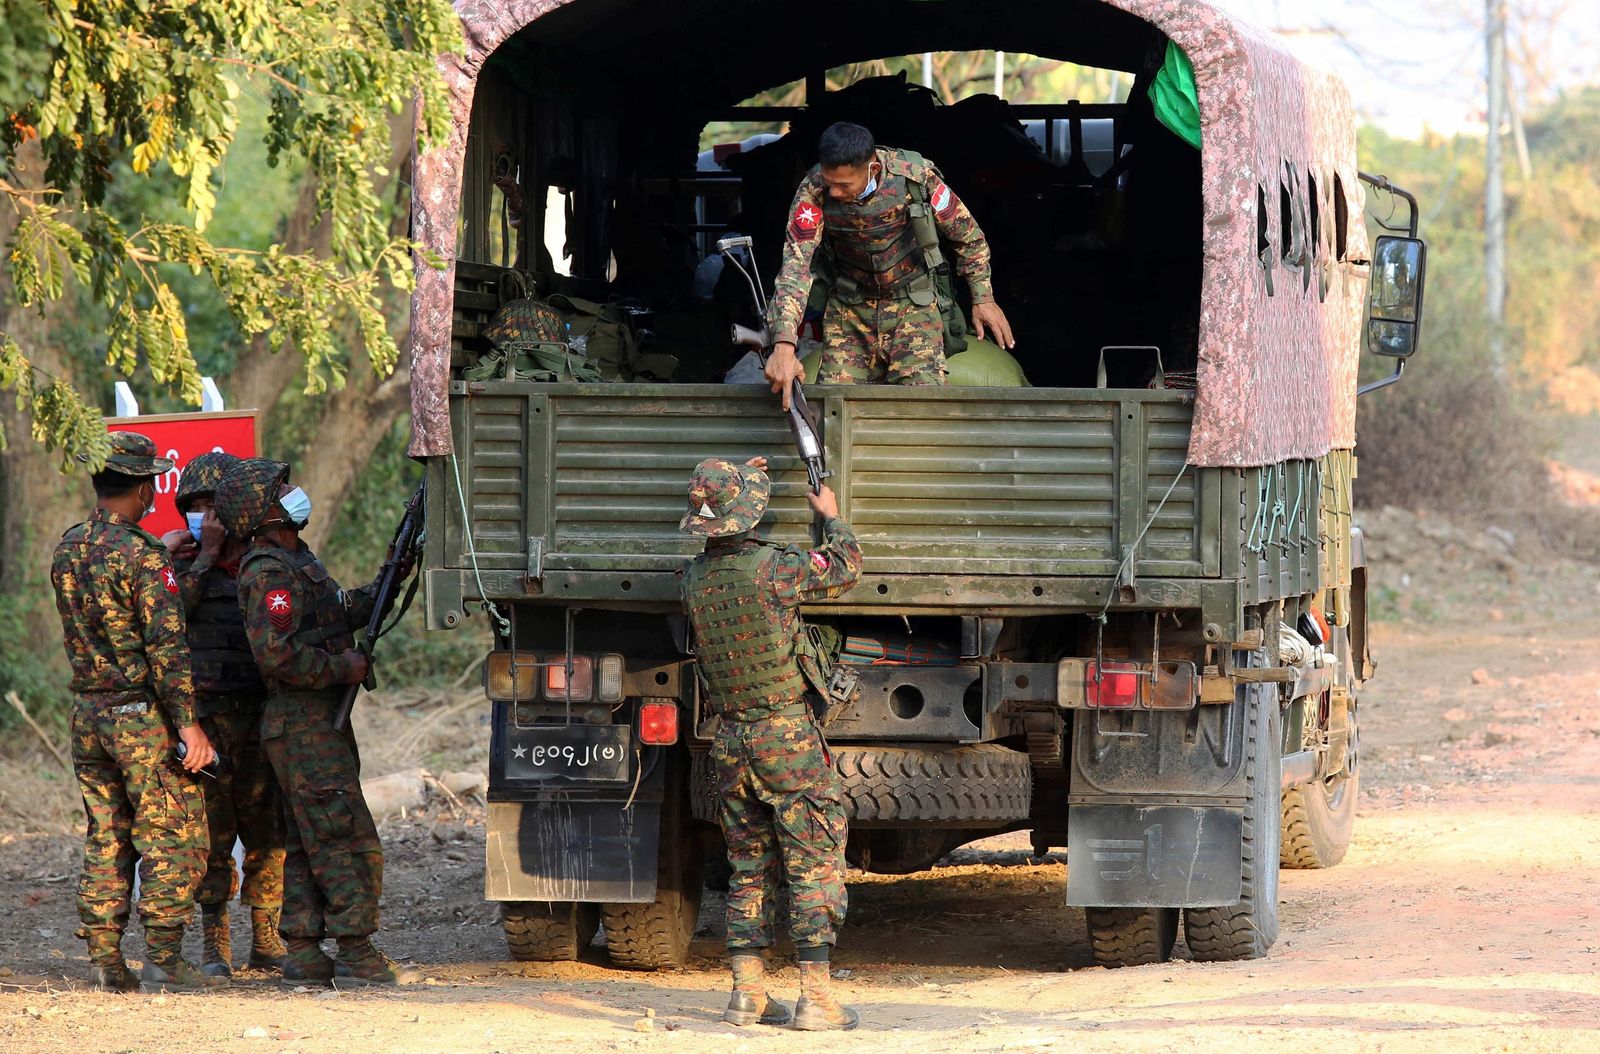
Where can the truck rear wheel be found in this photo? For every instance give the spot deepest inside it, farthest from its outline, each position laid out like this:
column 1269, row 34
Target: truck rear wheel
column 656, row 936
column 541, row 932
column 1131, row 936
column 973, row 786
column 1319, row 817
column 1246, row 930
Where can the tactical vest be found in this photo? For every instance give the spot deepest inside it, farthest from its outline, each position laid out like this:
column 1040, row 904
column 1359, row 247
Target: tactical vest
column 225, row 673
column 868, row 250
column 324, row 623
column 746, row 657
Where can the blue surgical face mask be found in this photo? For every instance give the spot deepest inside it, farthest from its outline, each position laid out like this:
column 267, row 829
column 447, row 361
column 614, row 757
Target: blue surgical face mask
column 195, row 520
column 872, row 185
column 297, row 507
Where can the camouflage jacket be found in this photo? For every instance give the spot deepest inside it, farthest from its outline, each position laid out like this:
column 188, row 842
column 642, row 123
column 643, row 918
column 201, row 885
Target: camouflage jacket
column 282, row 607
column 799, row 575
column 122, row 620
column 807, row 228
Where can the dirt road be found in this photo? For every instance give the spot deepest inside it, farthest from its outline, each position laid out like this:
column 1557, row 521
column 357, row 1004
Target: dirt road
column 1465, row 918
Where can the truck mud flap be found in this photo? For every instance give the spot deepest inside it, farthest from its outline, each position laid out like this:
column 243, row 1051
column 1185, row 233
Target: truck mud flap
column 594, row 851
column 1154, row 856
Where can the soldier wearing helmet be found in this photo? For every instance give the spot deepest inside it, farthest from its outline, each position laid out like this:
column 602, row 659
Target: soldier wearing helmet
column 242, row 801
column 123, row 627
column 780, row 805
column 301, row 627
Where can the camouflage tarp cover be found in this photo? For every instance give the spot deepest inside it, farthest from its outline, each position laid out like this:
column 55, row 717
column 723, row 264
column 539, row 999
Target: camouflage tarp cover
column 1276, row 373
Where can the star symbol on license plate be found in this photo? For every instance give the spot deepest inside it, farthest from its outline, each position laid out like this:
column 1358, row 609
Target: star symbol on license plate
column 519, row 751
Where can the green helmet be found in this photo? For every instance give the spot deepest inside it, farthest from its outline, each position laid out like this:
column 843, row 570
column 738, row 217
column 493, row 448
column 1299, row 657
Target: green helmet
column 201, row 476
column 725, row 499
column 247, row 494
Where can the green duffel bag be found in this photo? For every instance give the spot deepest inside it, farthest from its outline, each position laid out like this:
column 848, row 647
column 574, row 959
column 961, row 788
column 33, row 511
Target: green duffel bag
column 523, row 361
column 984, row 364
column 609, row 340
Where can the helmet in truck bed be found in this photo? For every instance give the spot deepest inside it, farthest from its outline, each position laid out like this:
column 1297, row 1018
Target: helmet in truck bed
column 725, row 499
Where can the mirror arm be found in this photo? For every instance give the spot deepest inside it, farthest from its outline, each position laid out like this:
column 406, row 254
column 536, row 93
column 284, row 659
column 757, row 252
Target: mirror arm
column 1382, row 184
column 1393, row 378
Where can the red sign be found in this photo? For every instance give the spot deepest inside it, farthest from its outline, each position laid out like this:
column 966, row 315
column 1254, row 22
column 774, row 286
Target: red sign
column 182, row 437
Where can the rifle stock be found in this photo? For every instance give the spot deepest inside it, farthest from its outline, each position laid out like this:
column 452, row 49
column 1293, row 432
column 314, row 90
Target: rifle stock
column 406, row 538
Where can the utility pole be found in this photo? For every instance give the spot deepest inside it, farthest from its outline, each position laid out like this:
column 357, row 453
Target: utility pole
column 1494, row 189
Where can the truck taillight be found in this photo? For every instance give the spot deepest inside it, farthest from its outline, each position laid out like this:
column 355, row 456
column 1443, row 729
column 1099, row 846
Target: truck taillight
column 511, row 676
column 555, row 679
column 658, row 724
column 608, row 683
column 1112, row 685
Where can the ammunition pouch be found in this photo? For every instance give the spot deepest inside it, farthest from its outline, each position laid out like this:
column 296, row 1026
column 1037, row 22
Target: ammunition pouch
column 834, row 686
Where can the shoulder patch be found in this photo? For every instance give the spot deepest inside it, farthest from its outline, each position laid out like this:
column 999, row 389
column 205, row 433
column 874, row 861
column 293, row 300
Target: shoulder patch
column 280, row 609
column 805, row 221
column 943, row 200
column 169, row 580
column 819, row 561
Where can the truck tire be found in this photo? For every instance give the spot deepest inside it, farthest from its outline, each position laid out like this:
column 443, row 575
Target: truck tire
column 1131, row 936
column 1246, row 930
column 974, row 786
column 540, row 932
column 1318, row 817
column 656, row 936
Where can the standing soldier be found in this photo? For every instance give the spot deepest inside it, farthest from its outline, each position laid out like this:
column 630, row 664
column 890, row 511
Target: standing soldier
column 300, row 625
column 877, row 216
column 781, row 811
column 122, row 624
column 242, row 802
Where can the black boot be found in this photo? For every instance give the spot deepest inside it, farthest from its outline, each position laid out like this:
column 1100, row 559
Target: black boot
column 216, row 941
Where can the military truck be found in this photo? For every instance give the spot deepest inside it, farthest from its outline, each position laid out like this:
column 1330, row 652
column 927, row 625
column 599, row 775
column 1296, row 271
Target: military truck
column 1123, row 608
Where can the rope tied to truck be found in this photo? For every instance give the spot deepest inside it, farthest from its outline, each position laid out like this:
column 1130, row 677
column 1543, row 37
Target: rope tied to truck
column 500, row 620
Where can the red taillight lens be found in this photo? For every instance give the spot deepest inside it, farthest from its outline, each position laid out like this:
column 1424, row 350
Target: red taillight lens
column 555, row 679
column 658, row 724
column 1113, row 686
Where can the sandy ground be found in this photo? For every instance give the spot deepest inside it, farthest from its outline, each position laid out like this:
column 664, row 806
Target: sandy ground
column 1464, row 918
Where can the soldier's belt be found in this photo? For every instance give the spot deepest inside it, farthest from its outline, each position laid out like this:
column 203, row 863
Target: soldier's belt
column 127, row 709
column 799, row 709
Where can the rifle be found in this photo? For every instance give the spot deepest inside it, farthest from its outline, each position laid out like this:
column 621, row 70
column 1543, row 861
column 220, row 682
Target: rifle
column 407, row 539
column 802, row 422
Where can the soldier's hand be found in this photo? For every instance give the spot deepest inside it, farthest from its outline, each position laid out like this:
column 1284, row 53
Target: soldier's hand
column 757, row 462
column 199, row 751
column 989, row 315
column 826, row 504
column 212, row 534
column 180, row 543
column 783, row 369
column 360, row 666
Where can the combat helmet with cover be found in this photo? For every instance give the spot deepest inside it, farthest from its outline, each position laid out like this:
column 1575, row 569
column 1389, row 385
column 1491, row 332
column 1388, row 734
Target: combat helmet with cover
column 201, row 476
column 247, row 494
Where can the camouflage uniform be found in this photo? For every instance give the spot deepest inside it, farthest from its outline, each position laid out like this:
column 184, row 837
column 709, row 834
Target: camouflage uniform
column 242, row 802
column 781, row 812
column 299, row 623
column 123, row 626
column 881, row 322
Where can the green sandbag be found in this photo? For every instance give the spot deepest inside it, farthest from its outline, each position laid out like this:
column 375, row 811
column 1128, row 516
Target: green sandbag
column 984, row 364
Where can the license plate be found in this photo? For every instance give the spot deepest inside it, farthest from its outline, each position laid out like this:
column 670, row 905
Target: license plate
column 589, row 753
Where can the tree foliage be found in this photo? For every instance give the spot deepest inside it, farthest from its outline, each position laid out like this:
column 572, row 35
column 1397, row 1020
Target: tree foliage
column 141, row 88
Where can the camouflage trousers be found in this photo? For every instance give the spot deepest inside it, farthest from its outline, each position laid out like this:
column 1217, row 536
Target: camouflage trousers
column 784, row 823
column 333, row 861
column 242, row 804
column 140, row 805
column 882, row 341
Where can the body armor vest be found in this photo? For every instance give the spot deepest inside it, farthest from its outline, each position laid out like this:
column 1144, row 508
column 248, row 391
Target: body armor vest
column 225, row 673
column 324, row 623
column 879, row 248
column 746, row 657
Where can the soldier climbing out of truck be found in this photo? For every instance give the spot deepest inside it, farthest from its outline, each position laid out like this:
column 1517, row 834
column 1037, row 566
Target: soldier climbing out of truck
column 880, row 280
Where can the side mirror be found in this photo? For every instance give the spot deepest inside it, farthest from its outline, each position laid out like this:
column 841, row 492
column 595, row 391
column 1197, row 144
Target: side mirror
column 1394, row 300
column 1394, row 303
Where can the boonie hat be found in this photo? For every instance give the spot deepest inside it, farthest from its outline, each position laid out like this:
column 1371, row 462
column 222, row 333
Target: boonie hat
column 725, row 498
column 133, row 454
